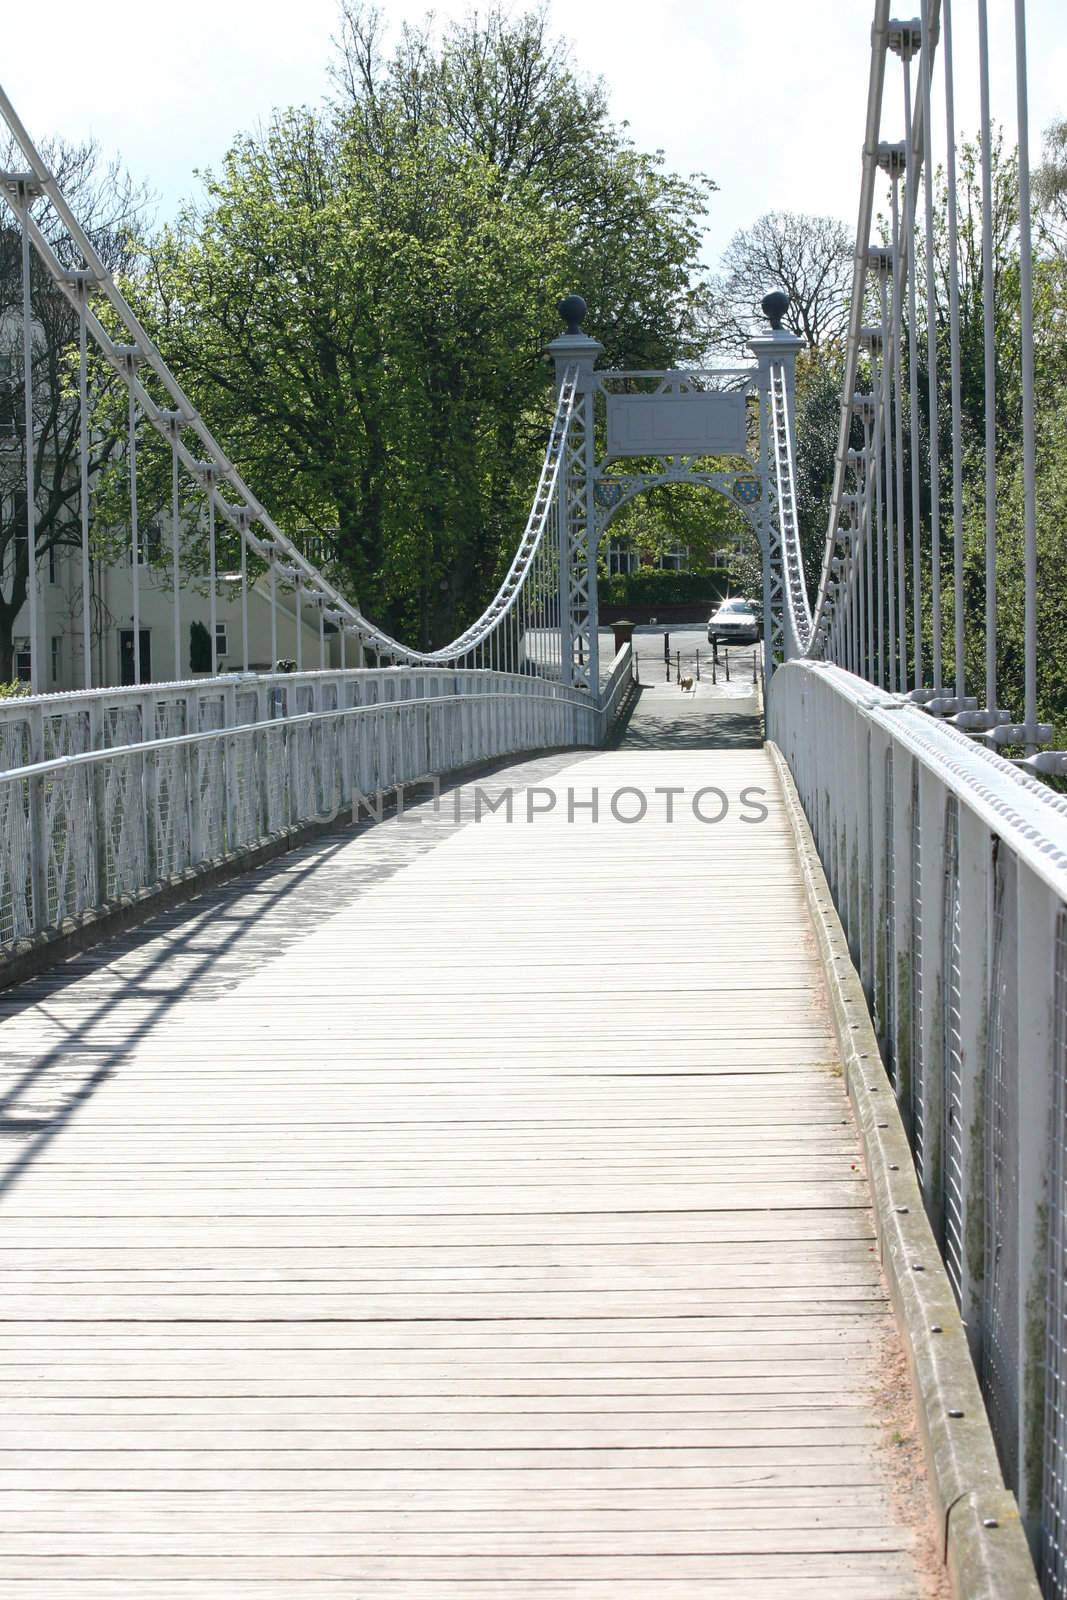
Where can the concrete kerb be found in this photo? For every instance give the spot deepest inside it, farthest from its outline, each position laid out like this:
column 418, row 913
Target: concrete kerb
column 985, row 1547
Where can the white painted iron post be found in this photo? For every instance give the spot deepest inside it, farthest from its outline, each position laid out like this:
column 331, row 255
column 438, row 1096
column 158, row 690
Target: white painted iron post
column 579, row 615
column 778, row 348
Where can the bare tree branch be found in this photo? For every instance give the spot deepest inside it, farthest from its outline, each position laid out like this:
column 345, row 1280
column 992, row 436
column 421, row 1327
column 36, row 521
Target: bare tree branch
column 809, row 257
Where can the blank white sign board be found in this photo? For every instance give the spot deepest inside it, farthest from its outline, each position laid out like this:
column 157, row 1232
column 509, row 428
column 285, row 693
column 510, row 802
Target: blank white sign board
column 676, row 424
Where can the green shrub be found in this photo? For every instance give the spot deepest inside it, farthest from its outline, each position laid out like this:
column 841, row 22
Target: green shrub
column 651, row 587
column 199, row 648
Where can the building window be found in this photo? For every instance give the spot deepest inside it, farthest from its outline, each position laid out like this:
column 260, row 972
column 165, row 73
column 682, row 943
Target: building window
column 676, row 559
column 57, row 646
column 12, row 409
column 149, row 544
column 19, row 542
column 622, row 557
column 22, row 663
column 9, row 409
column 724, row 555
column 221, row 646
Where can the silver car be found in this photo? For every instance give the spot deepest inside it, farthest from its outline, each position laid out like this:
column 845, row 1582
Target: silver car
column 733, row 623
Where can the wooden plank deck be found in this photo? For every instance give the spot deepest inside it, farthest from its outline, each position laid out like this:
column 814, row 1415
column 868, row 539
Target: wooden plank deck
column 450, row 1210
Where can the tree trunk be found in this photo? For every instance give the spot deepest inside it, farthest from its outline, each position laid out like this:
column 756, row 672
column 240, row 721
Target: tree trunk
column 7, row 642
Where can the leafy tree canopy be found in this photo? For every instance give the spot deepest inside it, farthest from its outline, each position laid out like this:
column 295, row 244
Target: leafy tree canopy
column 360, row 301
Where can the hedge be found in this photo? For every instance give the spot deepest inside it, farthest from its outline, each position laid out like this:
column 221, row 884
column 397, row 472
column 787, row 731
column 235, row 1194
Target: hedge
column 651, row 587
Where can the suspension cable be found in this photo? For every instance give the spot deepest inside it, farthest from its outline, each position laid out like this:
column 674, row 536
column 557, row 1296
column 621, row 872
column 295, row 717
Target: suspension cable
column 955, row 365
column 1026, row 296
column 990, row 359
column 926, row 67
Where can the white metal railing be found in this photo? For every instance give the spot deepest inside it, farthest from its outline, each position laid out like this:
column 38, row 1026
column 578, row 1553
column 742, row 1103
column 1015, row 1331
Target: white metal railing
column 40, row 727
column 83, row 828
column 948, row 866
column 617, row 689
column 948, row 862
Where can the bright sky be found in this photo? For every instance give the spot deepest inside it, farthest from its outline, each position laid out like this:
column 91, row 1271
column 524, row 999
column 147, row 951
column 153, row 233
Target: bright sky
column 771, row 108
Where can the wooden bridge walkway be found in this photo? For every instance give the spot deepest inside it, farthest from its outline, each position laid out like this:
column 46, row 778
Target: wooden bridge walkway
column 452, row 1210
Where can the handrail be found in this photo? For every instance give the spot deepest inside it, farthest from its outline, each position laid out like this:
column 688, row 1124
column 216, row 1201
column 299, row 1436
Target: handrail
column 56, row 764
column 948, row 867
column 1026, row 813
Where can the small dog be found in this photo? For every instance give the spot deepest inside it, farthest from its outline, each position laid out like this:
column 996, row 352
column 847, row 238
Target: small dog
column 686, row 685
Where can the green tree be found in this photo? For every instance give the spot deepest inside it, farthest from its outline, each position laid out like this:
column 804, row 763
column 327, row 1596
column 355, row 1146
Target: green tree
column 502, row 87
column 199, row 648
column 674, row 516
column 1050, row 188
column 360, row 302
column 1050, row 319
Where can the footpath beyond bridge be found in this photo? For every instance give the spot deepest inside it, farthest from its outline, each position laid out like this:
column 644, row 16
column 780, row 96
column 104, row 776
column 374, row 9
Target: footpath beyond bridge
column 456, row 1209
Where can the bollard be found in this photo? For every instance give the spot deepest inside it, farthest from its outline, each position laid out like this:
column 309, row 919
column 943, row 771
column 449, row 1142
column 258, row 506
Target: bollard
column 624, row 634
column 698, row 666
column 678, row 666
column 726, row 659
column 754, row 678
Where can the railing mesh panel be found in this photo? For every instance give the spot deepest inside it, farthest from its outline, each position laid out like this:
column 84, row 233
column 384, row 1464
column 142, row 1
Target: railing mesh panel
column 171, row 819
column 65, row 735
column 124, row 842
column 69, row 862
column 272, row 757
column 952, row 1057
column 328, row 758
column 123, row 724
column 918, row 1059
column 1054, row 1487
column 1000, row 1323
column 246, row 797
column 246, row 702
column 14, row 744
column 867, row 964
column 303, row 778
column 890, row 870
column 211, row 792
column 172, row 717
column 212, row 712
column 16, row 892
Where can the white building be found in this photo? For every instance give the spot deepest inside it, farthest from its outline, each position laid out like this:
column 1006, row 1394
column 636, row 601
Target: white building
column 61, row 632
column 59, row 579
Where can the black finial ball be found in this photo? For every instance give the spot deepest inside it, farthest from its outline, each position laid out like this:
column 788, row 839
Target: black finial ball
column 774, row 307
column 573, row 310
